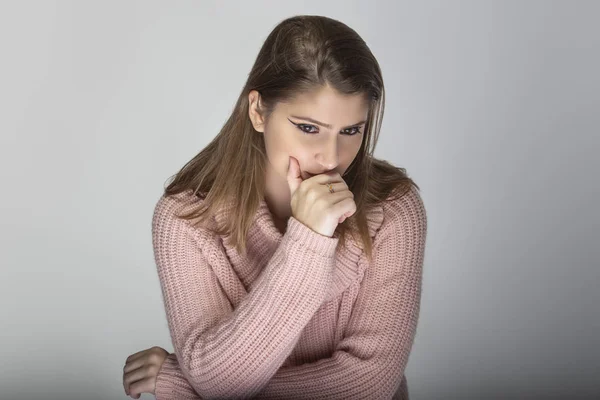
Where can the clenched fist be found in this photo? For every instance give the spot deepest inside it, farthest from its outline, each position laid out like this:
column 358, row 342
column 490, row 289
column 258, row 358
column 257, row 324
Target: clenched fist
column 314, row 205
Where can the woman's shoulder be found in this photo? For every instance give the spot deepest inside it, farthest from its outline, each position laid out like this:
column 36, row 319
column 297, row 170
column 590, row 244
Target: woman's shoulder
column 177, row 203
column 403, row 199
column 404, row 210
column 173, row 206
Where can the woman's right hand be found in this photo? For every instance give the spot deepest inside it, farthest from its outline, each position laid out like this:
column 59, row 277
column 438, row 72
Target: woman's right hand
column 141, row 369
column 313, row 204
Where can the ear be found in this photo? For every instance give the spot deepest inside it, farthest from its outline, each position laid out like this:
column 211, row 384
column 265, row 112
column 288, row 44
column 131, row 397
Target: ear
column 254, row 111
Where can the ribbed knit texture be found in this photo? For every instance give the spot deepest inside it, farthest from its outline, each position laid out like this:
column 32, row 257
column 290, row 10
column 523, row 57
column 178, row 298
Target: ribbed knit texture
column 296, row 318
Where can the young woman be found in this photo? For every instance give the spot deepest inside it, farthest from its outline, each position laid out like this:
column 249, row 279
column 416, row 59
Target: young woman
column 290, row 259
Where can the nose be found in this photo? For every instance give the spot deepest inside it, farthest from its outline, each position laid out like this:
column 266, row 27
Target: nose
column 328, row 157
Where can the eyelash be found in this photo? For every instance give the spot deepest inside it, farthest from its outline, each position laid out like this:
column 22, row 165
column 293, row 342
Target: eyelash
column 299, row 126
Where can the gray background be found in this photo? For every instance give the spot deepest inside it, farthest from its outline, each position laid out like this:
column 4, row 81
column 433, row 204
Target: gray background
column 493, row 108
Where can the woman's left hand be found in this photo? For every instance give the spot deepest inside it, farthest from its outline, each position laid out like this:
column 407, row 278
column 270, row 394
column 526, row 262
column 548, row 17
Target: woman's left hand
column 141, row 369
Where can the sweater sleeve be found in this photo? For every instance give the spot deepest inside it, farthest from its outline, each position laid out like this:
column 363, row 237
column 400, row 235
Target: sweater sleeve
column 370, row 360
column 225, row 353
column 171, row 383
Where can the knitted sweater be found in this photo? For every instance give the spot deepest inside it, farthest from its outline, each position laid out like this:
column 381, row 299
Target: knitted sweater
column 296, row 317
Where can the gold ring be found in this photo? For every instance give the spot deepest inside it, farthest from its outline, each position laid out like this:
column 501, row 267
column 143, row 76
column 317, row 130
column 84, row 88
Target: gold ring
column 330, row 186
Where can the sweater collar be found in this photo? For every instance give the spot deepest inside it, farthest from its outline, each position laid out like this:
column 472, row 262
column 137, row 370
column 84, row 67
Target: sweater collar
column 264, row 238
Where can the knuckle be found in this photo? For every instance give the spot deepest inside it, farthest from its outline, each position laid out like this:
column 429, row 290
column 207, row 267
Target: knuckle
column 154, row 357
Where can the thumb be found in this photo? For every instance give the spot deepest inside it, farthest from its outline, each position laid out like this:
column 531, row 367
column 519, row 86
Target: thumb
column 294, row 177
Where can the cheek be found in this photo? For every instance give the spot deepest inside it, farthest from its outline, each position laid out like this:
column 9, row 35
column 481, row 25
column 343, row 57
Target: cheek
column 354, row 152
column 274, row 146
column 279, row 149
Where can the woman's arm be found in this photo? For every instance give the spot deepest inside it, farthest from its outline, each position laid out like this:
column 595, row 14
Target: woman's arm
column 370, row 360
column 171, row 384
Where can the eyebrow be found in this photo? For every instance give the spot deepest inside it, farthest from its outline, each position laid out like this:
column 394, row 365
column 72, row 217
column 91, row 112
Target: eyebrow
column 323, row 124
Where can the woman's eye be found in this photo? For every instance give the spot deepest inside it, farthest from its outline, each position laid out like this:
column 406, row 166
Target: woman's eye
column 356, row 131
column 302, row 126
column 349, row 132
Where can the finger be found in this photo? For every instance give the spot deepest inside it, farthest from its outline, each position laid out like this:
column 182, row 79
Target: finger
column 338, row 187
column 344, row 207
column 336, row 197
column 132, row 377
column 139, row 387
column 136, row 355
column 331, row 176
column 294, row 176
column 135, row 364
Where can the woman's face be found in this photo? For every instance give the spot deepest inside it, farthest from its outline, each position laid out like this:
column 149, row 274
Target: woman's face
column 323, row 130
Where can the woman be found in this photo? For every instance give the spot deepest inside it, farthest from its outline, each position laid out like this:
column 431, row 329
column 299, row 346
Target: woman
column 290, row 259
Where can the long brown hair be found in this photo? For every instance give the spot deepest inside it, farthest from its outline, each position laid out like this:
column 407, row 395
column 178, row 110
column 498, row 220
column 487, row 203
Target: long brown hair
column 301, row 54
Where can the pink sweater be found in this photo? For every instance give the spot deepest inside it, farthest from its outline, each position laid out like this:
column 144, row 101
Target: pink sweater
column 294, row 319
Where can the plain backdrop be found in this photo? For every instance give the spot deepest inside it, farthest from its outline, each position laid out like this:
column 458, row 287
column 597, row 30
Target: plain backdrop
column 492, row 107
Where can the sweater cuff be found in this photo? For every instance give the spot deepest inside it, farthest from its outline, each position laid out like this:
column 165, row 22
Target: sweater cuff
column 317, row 243
column 170, row 382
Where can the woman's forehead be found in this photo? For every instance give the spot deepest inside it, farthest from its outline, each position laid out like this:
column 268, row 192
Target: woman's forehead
column 326, row 103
